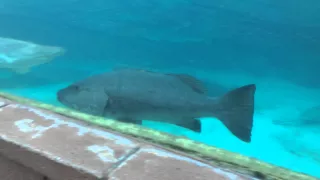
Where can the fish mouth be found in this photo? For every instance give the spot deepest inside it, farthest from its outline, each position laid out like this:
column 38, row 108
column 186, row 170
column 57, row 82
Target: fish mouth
column 64, row 96
column 59, row 98
column 60, row 95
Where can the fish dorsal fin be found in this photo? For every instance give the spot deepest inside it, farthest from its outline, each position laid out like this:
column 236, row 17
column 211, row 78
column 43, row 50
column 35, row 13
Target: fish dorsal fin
column 196, row 84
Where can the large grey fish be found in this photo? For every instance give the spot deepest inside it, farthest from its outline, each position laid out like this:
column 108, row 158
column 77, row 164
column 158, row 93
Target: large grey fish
column 132, row 95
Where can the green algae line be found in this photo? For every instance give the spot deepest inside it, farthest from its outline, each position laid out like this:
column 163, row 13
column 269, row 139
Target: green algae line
column 215, row 156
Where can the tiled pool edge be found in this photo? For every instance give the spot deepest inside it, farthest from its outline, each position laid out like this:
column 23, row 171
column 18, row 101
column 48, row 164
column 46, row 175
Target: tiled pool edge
column 214, row 155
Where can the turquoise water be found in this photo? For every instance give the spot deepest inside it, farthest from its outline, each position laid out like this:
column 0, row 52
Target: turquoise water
column 226, row 44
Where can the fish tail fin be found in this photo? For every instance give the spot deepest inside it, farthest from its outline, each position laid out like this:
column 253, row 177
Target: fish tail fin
column 236, row 109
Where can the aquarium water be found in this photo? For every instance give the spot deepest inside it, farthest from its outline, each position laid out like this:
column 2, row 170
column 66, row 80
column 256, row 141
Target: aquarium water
column 226, row 44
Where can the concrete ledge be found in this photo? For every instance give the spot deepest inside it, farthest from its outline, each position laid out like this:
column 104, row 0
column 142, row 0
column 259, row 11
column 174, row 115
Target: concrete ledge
column 40, row 141
column 10, row 170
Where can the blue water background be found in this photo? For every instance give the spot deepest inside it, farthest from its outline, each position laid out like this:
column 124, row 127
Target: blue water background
column 225, row 43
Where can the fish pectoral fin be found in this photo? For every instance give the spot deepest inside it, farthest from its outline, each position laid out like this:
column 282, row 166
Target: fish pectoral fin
column 191, row 124
column 130, row 120
column 196, row 84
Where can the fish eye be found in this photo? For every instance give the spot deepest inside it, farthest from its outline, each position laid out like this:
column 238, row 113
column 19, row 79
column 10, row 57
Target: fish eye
column 75, row 87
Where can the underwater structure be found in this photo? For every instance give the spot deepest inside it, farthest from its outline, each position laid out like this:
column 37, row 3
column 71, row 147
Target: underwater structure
column 41, row 141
